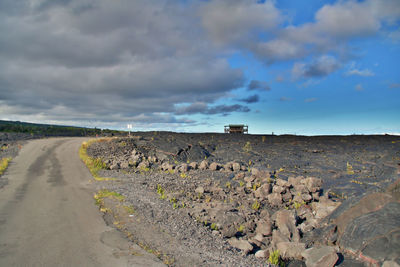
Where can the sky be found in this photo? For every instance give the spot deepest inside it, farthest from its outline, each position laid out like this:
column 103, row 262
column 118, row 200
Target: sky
column 285, row 67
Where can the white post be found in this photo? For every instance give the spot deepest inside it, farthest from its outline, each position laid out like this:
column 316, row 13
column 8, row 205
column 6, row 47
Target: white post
column 129, row 126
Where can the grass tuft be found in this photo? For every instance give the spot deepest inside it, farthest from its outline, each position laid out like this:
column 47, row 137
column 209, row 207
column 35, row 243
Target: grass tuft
column 4, row 164
column 94, row 164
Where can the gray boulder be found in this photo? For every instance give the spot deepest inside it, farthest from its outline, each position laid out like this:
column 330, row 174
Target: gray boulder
column 323, row 256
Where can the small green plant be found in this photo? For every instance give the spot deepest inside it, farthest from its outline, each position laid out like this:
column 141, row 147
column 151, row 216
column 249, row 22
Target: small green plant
column 256, row 186
column 247, row 147
column 241, row 228
column 175, row 205
column 275, row 258
column 228, row 185
column 241, row 183
column 99, row 198
column 144, row 169
column 183, row 175
column 297, row 205
column 214, row 227
column 122, row 144
column 161, row 192
column 256, row 205
column 349, row 169
column 4, row 164
column 129, row 209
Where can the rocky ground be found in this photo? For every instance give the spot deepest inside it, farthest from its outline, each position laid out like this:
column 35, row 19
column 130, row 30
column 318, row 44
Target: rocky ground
column 221, row 199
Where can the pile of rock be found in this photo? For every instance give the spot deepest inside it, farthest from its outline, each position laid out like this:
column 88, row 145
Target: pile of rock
column 265, row 214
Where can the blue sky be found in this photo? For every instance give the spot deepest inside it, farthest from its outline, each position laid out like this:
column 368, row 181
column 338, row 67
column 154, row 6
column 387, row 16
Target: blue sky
column 324, row 67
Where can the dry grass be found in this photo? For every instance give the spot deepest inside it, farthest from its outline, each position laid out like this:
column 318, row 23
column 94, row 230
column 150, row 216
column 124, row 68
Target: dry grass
column 4, row 164
column 94, row 164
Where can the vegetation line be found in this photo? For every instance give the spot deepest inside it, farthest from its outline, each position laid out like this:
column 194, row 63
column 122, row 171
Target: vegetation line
column 4, row 164
column 94, row 164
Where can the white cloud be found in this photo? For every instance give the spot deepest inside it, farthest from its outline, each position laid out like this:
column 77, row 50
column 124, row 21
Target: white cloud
column 238, row 21
column 365, row 72
column 347, row 19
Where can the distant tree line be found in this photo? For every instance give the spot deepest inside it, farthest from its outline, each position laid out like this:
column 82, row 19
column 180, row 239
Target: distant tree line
column 52, row 130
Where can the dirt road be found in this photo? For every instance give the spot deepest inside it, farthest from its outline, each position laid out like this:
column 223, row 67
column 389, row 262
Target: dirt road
column 48, row 216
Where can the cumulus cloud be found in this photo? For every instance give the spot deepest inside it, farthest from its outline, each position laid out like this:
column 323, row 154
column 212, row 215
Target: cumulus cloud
column 100, row 60
column 334, row 26
column 238, row 21
column 258, row 85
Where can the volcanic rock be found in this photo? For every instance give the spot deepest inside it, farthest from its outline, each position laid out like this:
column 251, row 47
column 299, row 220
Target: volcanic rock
column 323, row 256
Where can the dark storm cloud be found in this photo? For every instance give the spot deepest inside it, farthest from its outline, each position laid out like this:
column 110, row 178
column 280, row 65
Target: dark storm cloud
column 108, row 61
column 250, row 99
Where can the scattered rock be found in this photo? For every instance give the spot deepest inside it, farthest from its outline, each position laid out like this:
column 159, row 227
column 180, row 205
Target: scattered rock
column 291, row 250
column 313, row 184
column 279, row 189
column 193, row 165
column 323, row 256
column 324, row 208
column 199, row 190
column 143, row 165
column 235, row 166
column 264, row 228
column 262, row 254
column 286, row 223
column 124, row 165
column 275, row 199
column 281, row 182
column 228, row 166
column 241, row 244
column 263, row 191
column 183, row 167
column 278, row 237
column 203, row 165
column 228, row 231
column 214, row 166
